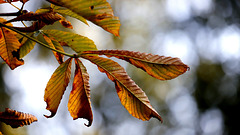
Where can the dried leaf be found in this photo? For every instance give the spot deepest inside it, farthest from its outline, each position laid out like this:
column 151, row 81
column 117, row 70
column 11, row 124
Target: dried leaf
column 47, row 18
column 79, row 104
column 16, row 119
column 131, row 96
column 160, row 67
column 97, row 11
column 9, row 46
column 56, row 87
column 26, row 46
column 56, row 45
column 77, row 42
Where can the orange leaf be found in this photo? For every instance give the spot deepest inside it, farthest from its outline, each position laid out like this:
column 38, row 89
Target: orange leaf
column 16, row 119
column 56, row 86
column 79, row 104
column 160, row 67
column 58, row 56
column 9, row 46
column 131, row 96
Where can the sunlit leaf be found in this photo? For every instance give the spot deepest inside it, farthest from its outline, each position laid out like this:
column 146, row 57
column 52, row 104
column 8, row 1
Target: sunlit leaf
column 77, row 42
column 56, row 86
column 160, row 67
column 131, row 96
column 16, row 119
column 65, row 11
column 57, row 46
column 79, row 104
column 9, row 45
column 97, row 11
column 26, row 46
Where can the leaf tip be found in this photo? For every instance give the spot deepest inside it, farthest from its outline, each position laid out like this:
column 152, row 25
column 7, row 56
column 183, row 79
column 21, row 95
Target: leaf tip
column 50, row 116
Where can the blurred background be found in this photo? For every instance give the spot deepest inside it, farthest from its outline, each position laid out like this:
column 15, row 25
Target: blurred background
column 204, row 34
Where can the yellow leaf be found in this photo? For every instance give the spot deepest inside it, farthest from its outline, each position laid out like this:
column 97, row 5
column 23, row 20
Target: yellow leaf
column 9, row 46
column 77, row 42
column 16, row 119
column 57, row 46
column 79, row 104
column 131, row 96
column 56, row 86
column 160, row 67
column 97, row 11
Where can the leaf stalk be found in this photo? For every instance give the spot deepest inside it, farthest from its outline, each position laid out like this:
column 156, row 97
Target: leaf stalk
column 39, row 42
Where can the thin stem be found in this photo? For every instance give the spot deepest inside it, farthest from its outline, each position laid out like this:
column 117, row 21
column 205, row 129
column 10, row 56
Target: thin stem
column 39, row 42
column 15, row 6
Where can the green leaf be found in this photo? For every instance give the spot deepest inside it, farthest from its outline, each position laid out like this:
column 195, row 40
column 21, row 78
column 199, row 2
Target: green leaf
column 56, row 86
column 131, row 96
column 97, row 11
column 77, row 42
column 27, row 46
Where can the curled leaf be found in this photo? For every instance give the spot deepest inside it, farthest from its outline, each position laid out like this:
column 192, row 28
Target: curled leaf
column 16, row 119
column 131, row 96
column 79, row 104
column 56, row 86
column 160, row 67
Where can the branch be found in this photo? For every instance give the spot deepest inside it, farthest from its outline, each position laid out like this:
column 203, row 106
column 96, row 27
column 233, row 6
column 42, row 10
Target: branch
column 39, row 42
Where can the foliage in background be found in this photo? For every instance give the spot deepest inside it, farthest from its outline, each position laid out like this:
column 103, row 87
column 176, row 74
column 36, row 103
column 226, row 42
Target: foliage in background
column 17, row 42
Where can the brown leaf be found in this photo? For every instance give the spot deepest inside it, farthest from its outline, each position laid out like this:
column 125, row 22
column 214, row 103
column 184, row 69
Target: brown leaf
column 9, row 46
column 79, row 104
column 160, row 67
column 47, row 18
column 56, row 86
column 16, row 119
column 131, row 96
